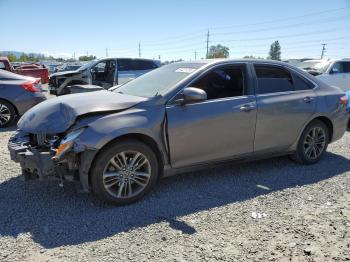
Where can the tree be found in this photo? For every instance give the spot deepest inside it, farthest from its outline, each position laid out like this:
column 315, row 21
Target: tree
column 275, row 51
column 253, row 57
column 218, row 51
column 12, row 58
column 23, row 57
column 87, row 58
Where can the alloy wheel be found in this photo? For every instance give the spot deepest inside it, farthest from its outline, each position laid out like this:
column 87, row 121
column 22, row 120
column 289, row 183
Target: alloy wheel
column 315, row 142
column 126, row 174
column 5, row 114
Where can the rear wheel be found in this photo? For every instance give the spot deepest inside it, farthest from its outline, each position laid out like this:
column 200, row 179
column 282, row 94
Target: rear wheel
column 124, row 172
column 7, row 113
column 312, row 143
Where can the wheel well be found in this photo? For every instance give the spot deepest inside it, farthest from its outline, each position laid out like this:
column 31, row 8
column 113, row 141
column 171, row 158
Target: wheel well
column 141, row 138
column 328, row 123
column 16, row 110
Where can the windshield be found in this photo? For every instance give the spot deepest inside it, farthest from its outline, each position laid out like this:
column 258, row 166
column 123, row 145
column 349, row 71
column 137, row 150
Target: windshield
column 87, row 65
column 320, row 66
column 158, row 81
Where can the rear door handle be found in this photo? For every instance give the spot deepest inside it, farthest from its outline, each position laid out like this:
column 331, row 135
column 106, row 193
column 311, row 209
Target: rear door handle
column 307, row 99
column 247, row 108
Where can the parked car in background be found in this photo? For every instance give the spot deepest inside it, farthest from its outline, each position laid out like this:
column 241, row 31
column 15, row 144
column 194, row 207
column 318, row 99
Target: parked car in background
column 179, row 117
column 69, row 67
column 333, row 72
column 17, row 95
column 34, row 70
column 105, row 72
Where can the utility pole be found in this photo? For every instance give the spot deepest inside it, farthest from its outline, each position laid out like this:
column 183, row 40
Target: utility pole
column 139, row 49
column 207, row 44
column 87, row 53
column 106, row 52
column 323, row 50
column 195, row 55
column 74, row 55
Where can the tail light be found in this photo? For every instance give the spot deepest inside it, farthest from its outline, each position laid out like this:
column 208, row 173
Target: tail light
column 32, row 86
column 344, row 100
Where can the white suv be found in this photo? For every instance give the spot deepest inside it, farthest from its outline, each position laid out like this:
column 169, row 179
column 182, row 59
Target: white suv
column 333, row 72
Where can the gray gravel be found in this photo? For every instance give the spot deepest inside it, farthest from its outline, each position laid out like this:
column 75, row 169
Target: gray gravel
column 301, row 214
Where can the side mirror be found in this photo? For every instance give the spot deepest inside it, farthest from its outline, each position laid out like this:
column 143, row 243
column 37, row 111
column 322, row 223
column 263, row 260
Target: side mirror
column 192, row 95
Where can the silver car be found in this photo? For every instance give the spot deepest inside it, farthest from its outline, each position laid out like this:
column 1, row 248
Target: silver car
column 104, row 73
column 178, row 118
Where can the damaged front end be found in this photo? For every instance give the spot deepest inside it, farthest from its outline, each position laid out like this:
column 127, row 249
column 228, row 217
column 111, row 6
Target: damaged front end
column 43, row 156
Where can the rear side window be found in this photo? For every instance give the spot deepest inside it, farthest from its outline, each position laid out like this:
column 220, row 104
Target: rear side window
column 135, row 64
column 272, row 79
column 2, row 66
column 124, row 65
column 144, row 65
column 346, row 67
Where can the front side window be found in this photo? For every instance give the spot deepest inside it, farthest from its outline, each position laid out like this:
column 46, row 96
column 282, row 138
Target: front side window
column 2, row 66
column 226, row 81
column 100, row 67
column 273, row 79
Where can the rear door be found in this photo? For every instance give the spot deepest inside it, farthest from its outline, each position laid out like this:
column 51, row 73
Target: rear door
column 285, row 102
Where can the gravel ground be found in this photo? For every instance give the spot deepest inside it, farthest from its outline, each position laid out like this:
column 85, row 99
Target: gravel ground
column 267, row 210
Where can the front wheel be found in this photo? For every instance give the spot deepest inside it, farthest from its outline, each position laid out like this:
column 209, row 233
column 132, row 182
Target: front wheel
column 124, row 172
column 312, row 143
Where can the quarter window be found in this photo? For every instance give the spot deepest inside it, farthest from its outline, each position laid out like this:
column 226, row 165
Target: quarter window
column 301, row 83
column 272, row 79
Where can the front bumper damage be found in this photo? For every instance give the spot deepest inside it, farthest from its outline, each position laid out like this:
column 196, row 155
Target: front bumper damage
column 39, row 162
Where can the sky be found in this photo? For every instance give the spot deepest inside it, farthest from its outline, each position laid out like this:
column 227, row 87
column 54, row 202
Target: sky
column 175, row 29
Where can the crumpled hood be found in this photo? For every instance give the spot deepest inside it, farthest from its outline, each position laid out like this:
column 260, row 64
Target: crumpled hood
column 64, row 73
column 56, row 115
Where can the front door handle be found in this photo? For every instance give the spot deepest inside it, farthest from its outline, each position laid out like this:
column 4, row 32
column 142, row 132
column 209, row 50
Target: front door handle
column 307, row 99
column 247, row 108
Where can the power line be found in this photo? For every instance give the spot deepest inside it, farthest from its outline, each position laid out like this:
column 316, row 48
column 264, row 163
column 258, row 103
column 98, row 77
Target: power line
column 327, row 20
column 323, row 50
column 207, row 44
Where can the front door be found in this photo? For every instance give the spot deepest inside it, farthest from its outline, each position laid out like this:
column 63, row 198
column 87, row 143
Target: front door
column 221, row 127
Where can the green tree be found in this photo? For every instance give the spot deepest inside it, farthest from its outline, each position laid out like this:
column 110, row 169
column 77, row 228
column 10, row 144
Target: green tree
column 253, row 57
column 87, row 58
column 218, row 51
column 23, row 57
column 12, row 58
column 275, row 51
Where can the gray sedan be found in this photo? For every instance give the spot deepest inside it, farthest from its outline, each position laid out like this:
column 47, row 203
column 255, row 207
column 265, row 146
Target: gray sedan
column 17, row 94
column 177, row 118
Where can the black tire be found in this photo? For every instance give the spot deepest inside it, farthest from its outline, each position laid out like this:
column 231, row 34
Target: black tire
column 103, row 160
column 6, row 108
column 300, row 156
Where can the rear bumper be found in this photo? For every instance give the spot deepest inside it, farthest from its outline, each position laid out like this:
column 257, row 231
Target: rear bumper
column 32, row 160
column 23, row 105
